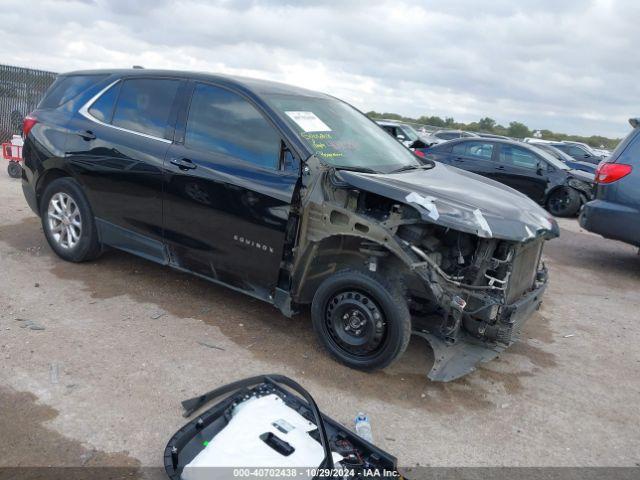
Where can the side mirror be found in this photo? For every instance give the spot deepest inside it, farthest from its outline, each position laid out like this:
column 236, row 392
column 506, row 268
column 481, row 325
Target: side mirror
column 541, row 168
column 402, row 138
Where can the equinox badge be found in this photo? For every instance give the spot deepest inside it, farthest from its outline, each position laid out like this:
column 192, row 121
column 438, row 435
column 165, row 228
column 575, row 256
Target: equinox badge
column 253, row 243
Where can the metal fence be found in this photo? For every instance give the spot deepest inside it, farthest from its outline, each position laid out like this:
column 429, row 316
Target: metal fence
column 20, row 91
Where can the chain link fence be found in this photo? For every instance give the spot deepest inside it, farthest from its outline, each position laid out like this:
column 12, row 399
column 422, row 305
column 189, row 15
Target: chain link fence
column 20, row 91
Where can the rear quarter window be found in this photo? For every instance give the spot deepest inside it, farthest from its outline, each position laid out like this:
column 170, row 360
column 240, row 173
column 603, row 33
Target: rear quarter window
column 144, row 105
column 67, row 87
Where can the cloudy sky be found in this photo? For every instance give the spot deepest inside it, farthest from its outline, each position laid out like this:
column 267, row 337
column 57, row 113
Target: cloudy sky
column 570, row 65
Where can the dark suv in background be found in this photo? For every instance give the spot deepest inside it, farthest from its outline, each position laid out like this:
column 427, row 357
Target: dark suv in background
column 615, row 213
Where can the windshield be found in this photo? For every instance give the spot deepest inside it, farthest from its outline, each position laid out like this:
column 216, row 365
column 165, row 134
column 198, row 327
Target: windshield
column 340, row 135
column 410, row 133
column 550, row 158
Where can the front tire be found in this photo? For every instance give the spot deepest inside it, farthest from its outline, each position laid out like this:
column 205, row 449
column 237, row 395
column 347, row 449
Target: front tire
column 68, row 222
column 363, row 321
column 564, row 202
column 14, row 170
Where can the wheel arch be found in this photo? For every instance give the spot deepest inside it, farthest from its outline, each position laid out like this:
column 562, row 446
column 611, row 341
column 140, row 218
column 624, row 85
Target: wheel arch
column 337, row 252
column 46, row 178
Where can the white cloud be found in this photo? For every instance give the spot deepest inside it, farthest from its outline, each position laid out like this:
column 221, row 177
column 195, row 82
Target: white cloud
column 570, row 66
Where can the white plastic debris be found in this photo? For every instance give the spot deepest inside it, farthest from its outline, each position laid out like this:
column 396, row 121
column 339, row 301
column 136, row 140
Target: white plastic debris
column 239, row 444
column 425, row 202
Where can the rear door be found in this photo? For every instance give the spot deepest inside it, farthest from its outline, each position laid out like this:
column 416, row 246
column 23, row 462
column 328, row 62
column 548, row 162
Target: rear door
column 117, row 150
column 474, row 155
column 518, row 167
column 228, row 191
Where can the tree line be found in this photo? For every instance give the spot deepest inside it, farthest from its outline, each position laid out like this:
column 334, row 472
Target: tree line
column 489, row 125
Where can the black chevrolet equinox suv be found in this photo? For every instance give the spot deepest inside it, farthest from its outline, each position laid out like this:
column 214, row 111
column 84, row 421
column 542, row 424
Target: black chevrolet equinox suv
column 293, row 197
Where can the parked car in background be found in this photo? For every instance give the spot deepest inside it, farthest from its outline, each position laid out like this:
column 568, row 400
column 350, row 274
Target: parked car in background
column 441, row 136
column 594, row 151
column 522, row 166
column 565, row 158
column 294, row 198
column 578, row 152
column 492, row 135
column 615, row 212
column 407, row 135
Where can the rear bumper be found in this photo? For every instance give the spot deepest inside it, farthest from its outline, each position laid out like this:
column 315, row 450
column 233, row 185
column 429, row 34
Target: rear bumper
column 30, row 196
column 612, row 220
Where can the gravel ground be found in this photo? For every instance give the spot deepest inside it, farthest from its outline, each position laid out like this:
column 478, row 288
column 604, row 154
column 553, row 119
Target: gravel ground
column 95, row 359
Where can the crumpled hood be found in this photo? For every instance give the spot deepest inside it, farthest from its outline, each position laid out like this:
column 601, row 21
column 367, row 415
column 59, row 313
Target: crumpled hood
column 461, row 200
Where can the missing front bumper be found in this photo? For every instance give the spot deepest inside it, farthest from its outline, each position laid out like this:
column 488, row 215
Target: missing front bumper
column 455, row 360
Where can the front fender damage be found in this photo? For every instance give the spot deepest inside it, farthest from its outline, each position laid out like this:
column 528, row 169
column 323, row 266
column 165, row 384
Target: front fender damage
column 471, row 280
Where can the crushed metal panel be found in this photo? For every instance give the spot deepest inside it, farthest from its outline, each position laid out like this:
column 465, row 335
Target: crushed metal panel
column 454, row 361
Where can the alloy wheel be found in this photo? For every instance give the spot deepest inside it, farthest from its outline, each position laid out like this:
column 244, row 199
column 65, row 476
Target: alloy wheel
column 65, row 221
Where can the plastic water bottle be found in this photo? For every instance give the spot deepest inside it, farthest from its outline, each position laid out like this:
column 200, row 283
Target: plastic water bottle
column 363, row 427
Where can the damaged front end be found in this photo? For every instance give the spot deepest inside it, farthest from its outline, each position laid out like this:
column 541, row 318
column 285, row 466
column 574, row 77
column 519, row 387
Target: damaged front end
column 467, row 251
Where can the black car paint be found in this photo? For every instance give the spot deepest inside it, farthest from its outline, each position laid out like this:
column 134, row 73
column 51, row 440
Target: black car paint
column 538, row 184
column 224, row 220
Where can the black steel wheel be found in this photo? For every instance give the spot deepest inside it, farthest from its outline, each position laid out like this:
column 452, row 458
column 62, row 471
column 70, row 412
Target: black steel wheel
column 362, row 320
column 564, row 202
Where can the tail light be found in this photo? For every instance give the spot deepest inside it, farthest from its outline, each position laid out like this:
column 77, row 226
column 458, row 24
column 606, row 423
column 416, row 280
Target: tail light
column 611, row 172
column 27, row 124
column 419, row 153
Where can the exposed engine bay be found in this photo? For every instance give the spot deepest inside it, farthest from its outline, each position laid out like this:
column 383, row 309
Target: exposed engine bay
column 471, row 275
column 263, row 428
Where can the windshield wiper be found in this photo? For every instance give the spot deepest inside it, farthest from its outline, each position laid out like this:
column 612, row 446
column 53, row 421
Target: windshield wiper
column 355, row 169
column 412, row 167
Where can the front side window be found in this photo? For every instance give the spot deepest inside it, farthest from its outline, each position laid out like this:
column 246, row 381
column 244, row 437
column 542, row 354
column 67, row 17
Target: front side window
column 518, row 157
column 339, row 135
column 224, row 122
column 144, row 105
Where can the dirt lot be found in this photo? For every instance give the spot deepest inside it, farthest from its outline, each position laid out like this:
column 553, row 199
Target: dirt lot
column 95, row 359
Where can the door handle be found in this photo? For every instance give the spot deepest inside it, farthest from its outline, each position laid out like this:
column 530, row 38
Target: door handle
column 183, row 163
column 86, row 134
column 459, row 159
column 500, row 167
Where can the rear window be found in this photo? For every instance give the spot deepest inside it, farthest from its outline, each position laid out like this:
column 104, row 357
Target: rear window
column 67, row 87
column 144, row 105
column 628, row 150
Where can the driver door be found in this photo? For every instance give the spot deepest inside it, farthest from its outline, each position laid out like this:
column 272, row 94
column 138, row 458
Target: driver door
column 227, row 193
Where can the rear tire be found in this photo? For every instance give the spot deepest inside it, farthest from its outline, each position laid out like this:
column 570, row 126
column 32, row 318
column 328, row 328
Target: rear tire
column 363, row 321
column 14, row 169
column 564, row 202
column 68, row 222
